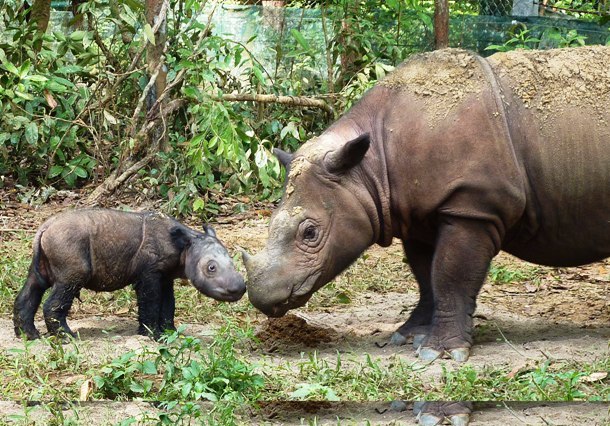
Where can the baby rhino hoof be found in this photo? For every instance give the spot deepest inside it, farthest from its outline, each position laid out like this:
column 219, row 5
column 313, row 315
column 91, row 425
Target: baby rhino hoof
column 430, row 354
column 29, row 335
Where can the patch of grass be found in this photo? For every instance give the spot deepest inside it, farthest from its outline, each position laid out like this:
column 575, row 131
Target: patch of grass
column 193, row 306
column 42, row 370
column 375, row 271
column 15, row 258
column 545, row 381
column 315, row 378
column 504, row 274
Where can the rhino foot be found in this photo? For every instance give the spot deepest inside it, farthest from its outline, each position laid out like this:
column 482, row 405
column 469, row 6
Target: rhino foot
column 398, row 339
column 460, row 354
column 429, row 420
column 432, row 420
column 417, row 332
column 435, row 413
column 418, row 339
column 29, row 333
column 430, row 354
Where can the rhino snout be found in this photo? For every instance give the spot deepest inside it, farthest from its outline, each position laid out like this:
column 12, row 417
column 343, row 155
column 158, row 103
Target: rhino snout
column 228, row 291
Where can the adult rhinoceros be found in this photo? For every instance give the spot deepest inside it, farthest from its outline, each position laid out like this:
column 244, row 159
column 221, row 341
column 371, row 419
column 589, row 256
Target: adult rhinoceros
column 460, row 157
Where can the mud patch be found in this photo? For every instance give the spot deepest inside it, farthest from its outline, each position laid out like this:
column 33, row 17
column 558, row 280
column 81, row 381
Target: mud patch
column 291, row 331
column 556, row 81
column 442, row 79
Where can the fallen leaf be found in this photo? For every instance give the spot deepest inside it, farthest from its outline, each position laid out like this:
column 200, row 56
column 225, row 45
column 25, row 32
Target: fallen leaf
column 50, row 99
column 85, row 390
column 522, row 366
column 594, row 377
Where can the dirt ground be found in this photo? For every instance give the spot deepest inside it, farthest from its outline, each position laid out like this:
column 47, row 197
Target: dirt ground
column 564, row 314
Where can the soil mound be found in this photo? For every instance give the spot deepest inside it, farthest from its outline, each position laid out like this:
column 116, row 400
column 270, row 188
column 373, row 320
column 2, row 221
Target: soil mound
column 291, row 331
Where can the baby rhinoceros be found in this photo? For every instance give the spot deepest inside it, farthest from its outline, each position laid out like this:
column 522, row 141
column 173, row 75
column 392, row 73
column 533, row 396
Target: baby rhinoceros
column 105, row 250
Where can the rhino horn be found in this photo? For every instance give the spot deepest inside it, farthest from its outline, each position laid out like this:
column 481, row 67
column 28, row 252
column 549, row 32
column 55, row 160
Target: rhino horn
column 245, row 256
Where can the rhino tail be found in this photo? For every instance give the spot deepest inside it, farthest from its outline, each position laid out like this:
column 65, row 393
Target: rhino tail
column 29, row 298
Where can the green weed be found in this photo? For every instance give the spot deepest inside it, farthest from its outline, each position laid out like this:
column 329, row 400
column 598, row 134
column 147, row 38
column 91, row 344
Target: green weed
column 369, row 380
column 189, row 371
column 502, row 274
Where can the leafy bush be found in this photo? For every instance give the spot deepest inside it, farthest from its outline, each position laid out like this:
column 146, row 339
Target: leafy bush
column 44, row 85
column 189, row 370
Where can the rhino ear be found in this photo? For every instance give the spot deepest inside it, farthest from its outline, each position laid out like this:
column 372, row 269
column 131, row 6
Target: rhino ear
column 209, row 230
column 348, row 155
column 284, row 157
column 180, row 237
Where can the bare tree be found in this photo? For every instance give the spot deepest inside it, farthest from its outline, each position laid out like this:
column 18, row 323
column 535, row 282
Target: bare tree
column 156, row 11
column 41, row 13
column 441, row 24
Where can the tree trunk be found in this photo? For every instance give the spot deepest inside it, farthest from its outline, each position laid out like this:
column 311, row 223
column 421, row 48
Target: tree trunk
column 441, row 24
column 78, row 18
column 154, row 54
column 41, row 13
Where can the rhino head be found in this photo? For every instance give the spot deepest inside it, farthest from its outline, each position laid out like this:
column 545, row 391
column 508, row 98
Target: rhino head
column 208, row 265
column 322, row 225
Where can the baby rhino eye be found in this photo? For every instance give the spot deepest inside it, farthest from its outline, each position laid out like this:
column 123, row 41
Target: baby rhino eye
column 212, row 267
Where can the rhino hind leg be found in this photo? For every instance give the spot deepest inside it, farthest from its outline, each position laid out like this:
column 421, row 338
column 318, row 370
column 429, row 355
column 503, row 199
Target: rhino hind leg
column 168, row 307
column 57, row 306
column 419, row 256
column 26, row 304
column 437, row 412
column 462, row 256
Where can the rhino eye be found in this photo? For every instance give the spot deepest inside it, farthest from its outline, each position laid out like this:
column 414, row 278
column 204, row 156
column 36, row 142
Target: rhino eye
column 310, row 233
column 212, row 267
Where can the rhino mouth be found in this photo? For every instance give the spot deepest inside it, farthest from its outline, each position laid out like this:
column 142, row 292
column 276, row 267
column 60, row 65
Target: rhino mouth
column 299, row 297
column 281, row 309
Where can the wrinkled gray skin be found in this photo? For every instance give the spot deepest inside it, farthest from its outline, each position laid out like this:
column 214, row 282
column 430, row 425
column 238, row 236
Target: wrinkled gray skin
column 105, row 250
column 493, row 174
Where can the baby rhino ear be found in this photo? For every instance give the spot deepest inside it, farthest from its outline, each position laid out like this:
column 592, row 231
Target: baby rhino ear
column 209, row 230
column 348, row 155
column 180, row 237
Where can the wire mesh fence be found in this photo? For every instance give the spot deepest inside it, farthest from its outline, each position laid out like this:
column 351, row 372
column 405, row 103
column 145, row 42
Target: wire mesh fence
column 568, row 9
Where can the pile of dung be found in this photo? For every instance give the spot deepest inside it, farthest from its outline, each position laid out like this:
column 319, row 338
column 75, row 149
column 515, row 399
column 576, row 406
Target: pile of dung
column 291, row 331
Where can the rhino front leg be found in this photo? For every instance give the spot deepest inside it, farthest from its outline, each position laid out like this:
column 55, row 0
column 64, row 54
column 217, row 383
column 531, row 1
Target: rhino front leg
column 148, row 293
column 168, row 306
column 57, row 306
column 461, row 259
column 419, row 256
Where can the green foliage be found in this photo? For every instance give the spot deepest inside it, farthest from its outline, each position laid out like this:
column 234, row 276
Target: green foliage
column 521, row 38
column 43, row 86
column 545, row 381
column 500, row 274
column 15, row 257
column 190, row 371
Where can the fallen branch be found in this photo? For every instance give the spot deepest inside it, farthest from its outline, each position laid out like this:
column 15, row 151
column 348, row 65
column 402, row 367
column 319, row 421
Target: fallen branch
column 286, row 100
